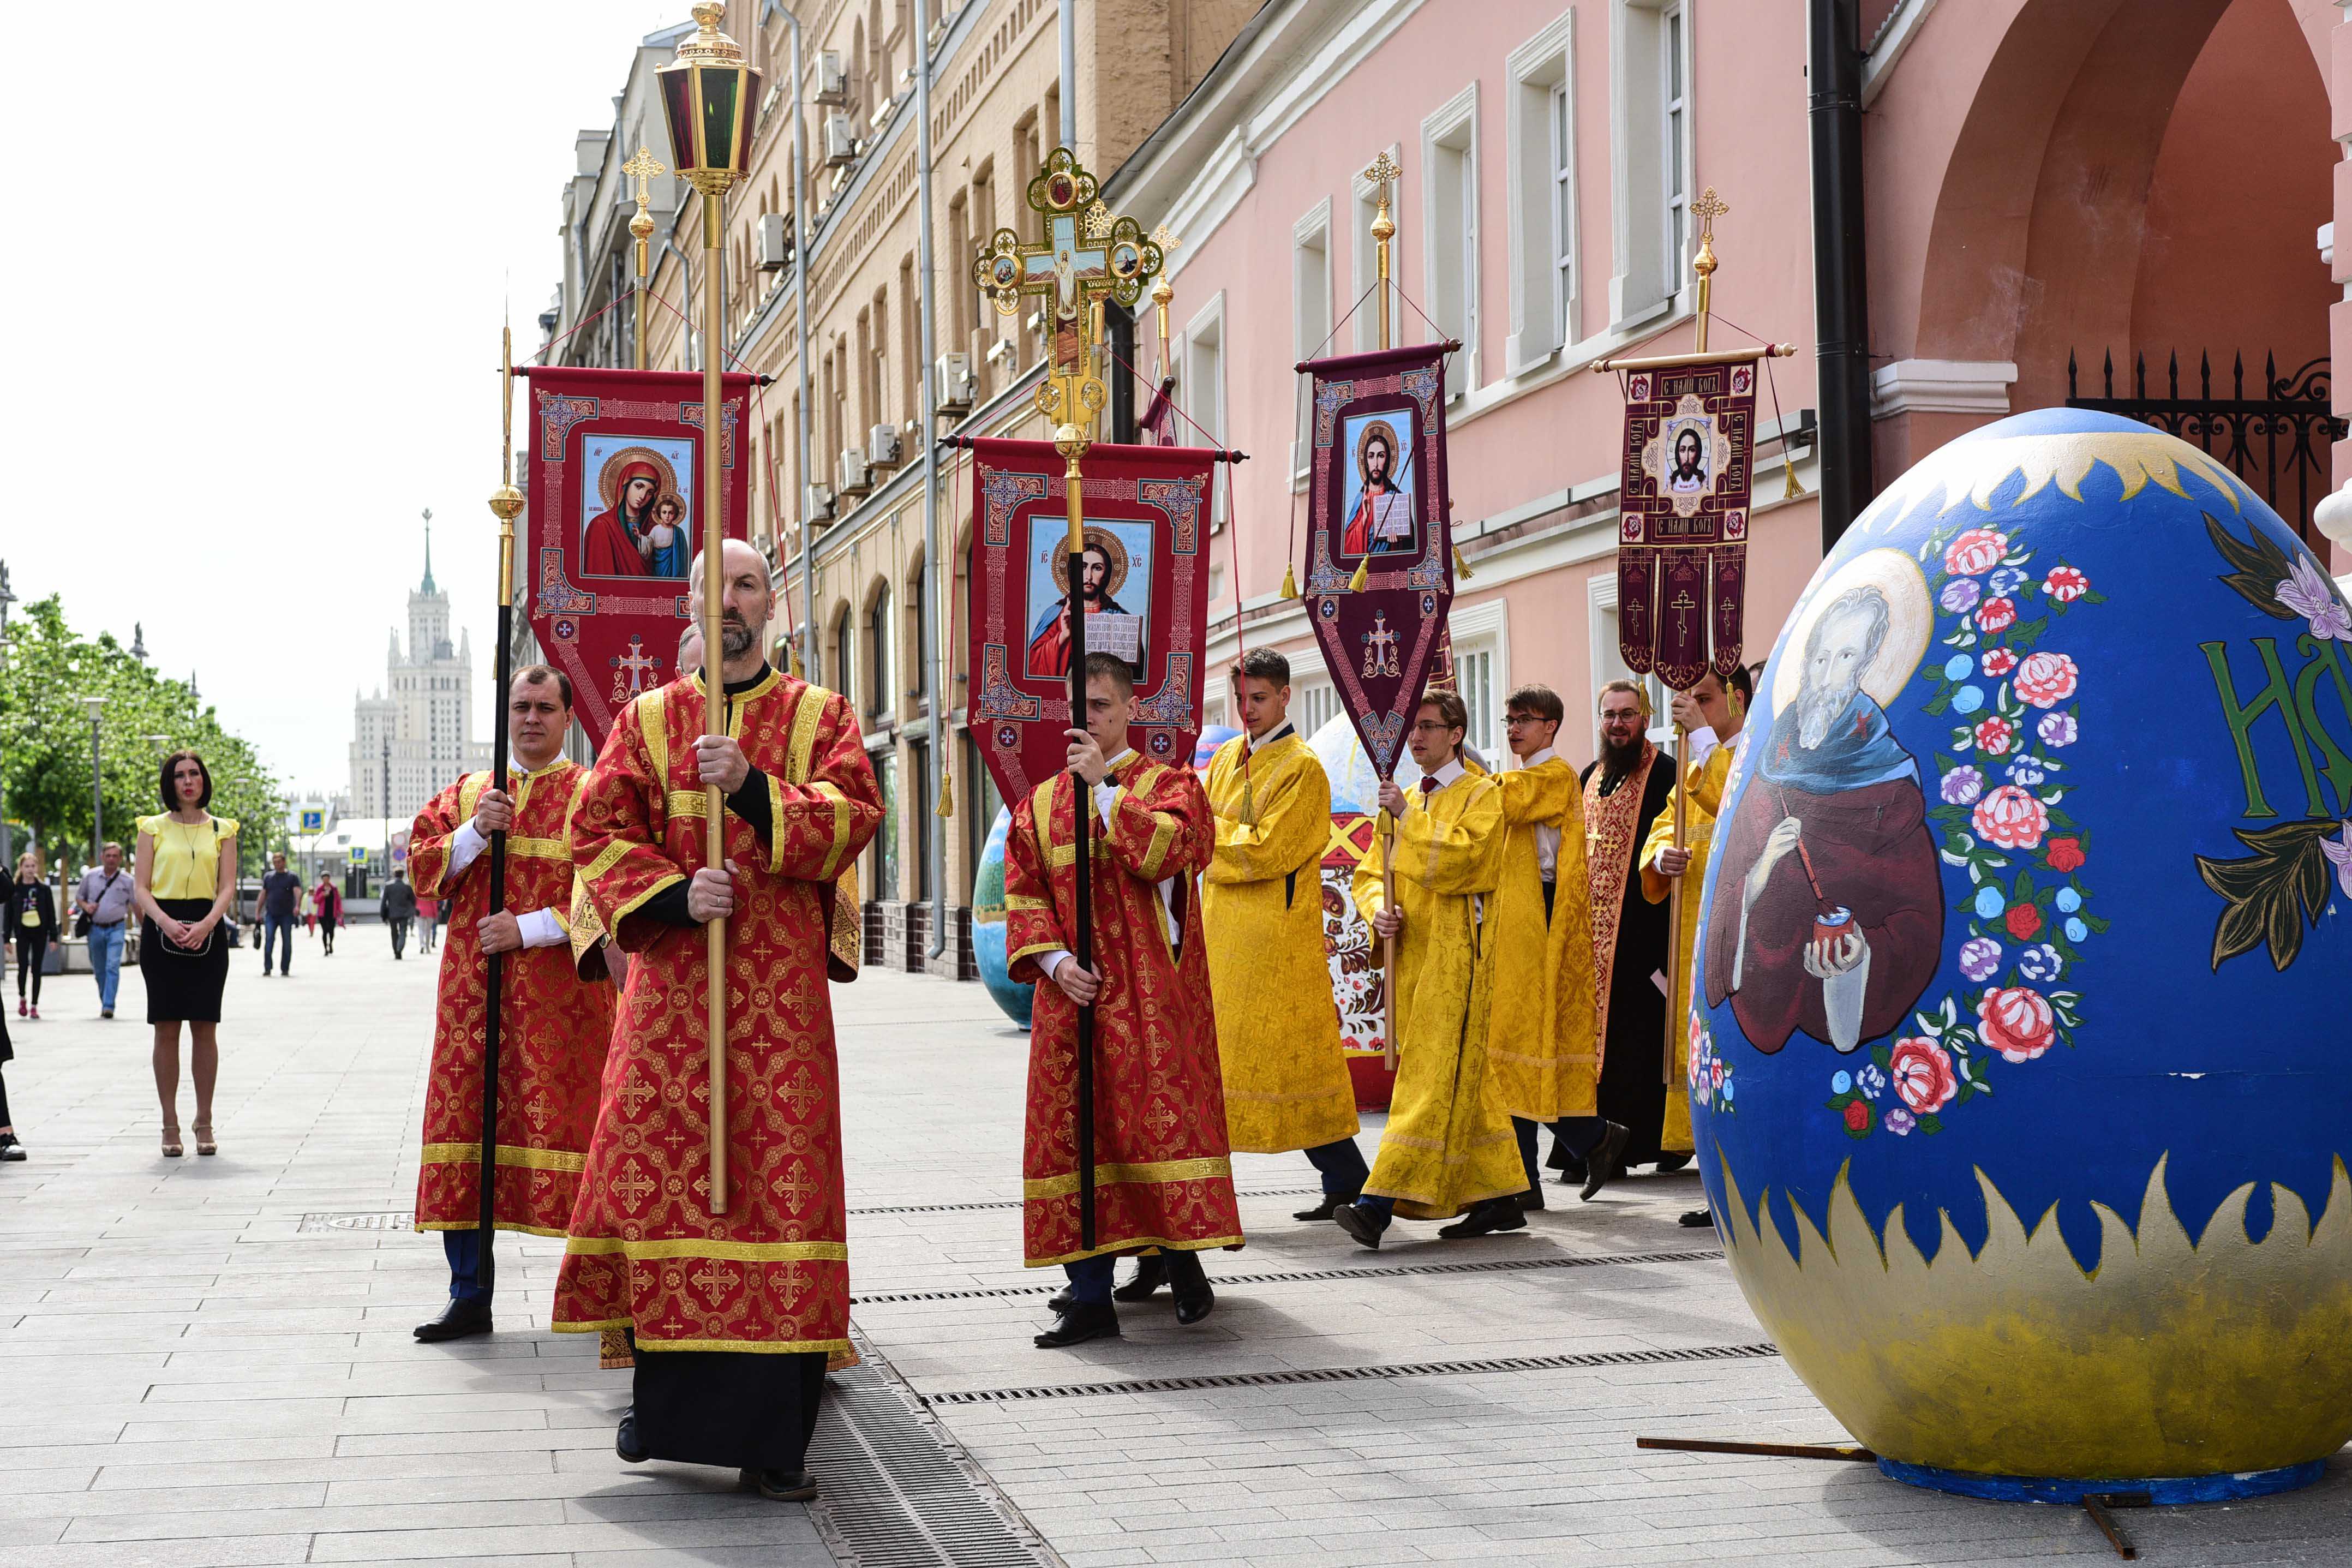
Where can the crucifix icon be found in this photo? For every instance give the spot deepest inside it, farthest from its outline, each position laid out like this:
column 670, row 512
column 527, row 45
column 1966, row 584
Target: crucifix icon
column 630, row 669
column 1069, row 263
column 644, row 168
column 1683, row 604
column 1380, row 648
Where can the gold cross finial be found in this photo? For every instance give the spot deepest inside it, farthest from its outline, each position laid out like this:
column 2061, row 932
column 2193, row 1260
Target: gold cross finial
column 643, row 168
column 1383, row 170
column 1707, row 210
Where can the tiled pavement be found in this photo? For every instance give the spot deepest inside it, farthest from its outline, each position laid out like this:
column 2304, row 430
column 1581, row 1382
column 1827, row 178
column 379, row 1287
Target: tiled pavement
column 191, row 1379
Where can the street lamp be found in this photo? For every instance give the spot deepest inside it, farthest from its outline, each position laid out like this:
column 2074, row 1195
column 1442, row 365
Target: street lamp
column 711, row 101
column 97, row 786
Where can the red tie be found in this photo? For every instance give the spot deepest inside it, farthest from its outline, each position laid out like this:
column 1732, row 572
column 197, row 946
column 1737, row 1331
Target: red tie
column 1428, row 786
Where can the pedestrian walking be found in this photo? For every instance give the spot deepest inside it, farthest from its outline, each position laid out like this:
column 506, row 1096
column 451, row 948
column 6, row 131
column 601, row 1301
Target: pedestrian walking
column 32, row 920
column 103, row 896
column 428, row 922
column 281, row 891
column 9, row 1148
column 399, row 908
column 327, row 908
column 184, row 876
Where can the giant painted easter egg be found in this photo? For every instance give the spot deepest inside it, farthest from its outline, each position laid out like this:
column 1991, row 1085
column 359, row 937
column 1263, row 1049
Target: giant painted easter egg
column 2019, row 1050
column 988, row 925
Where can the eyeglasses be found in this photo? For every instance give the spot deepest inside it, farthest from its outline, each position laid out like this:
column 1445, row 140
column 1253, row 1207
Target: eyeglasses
column 1512, row 720
column 1425, row 727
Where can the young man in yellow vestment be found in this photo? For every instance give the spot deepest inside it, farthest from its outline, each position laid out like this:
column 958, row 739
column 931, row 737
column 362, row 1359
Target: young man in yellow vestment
column 1538, row 940
column 1448, row 1149
column 1287, row 1084
column 1713, row 715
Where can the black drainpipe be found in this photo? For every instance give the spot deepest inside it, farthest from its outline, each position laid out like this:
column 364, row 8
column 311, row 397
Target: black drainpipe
column 1840, row 267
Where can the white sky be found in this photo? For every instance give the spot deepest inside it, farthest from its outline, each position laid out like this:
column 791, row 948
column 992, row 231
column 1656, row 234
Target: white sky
column 255, row 324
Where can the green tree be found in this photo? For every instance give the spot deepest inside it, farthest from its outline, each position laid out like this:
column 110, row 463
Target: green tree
column 45, row 741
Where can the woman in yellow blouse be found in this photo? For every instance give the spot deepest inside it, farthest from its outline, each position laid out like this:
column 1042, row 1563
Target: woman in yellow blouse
column 185, row 875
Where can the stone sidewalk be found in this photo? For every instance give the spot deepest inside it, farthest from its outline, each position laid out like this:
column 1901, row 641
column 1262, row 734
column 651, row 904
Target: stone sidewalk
column 208, row 1362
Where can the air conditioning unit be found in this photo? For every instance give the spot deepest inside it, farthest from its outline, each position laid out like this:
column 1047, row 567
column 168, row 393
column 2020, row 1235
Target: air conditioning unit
column 883, row 112
column 882, row 446
column 953, row 389
column 819, row 503
column 852, row 475
column 840, row 142
column 832, row 80
column 775, row 241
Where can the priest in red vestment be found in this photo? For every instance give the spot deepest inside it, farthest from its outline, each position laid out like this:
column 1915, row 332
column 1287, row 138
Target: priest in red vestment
column 553, row 1021
column 1162, row 1176
column 732, row 1316
column 613, row 546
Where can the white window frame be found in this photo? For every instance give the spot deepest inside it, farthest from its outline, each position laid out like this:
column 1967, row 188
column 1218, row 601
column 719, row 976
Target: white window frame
column 1541, row 196
column 1646, row 281
column 1607, row 664
column 1201, row 383
column 1314, row 699
column 1673, row 133
column 1311, row 274
column 1449, row 249
column 1483, row 631
column 1367, row 196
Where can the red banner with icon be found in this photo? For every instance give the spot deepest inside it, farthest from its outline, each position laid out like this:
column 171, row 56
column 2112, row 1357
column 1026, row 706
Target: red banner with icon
column 613, row 474
column 1146, row 589
column 1682, row 538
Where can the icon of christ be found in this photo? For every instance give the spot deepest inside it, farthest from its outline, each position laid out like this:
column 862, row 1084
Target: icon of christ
column 1049, row 635
column 1382, row 523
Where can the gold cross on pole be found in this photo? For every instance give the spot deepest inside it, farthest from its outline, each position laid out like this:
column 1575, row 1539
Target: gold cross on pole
column 1707, row 210
column 644, row 169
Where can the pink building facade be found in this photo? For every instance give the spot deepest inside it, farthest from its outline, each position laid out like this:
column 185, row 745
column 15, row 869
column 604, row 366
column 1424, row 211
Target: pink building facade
column 2046, row 183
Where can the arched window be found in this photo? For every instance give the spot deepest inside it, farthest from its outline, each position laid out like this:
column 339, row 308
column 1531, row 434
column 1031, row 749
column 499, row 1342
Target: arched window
column 879, row 696
column 918, row 601
column 845, row 643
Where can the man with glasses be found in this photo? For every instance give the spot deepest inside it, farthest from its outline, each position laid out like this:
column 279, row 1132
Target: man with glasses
column 1540, row 942
column 1448, row 1149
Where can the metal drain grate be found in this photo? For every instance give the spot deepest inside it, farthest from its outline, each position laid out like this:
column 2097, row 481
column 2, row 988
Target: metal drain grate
column 330, row 1223
column 1356, row 1373
column 1495, row 1266
column 1016, row 1203
column 901, row 1493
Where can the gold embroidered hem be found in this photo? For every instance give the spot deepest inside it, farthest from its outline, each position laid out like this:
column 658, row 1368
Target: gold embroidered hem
column 556, row 1232
column 741, row 1347
column 506, row 1154
column 1113, row 1174
column 701, row 1247
column 1143, row 1244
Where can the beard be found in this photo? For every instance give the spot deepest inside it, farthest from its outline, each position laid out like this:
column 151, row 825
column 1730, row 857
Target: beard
column 736, row 640
column 1619, row 758
column 1817, row 709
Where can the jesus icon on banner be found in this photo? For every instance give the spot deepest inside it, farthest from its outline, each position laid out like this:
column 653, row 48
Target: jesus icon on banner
column 1380, row 512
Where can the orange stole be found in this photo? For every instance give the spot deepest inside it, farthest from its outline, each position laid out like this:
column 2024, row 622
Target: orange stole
column 553, row 1026
column 1162, row 1178
column 772, row 1273
column 1613, row 830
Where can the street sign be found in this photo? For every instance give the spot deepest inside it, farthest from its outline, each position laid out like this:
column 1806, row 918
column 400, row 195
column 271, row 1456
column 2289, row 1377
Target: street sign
column 314, row 819
column 358, row 854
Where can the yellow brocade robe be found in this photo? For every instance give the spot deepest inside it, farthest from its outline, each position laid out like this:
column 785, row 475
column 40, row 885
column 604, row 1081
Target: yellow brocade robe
column 1287, row 1084
column 1449, row 1142
column 1705, row 781
column 1539, row 1028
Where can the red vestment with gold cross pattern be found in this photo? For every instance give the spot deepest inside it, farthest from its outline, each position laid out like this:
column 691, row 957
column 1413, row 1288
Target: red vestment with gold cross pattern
column 553, row 1026
column 772, row 1273
column 1163, row 1175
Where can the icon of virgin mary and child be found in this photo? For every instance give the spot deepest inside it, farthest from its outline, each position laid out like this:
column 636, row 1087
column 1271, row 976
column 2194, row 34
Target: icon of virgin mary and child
column 642, row 531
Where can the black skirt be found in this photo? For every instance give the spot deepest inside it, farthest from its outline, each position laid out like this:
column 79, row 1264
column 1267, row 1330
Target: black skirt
column 736, row 1408
column 183, row 987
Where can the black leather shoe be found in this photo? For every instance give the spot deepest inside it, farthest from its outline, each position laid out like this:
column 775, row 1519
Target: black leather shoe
column 1698, row 1219
column 1671, row 1163
column 1189, row 1283
column 781, row 1485
column 1332, row 1204
column 1532, row 1198
column 1357, row 1223
column 458, row 1320
column 1059, row 1301
column 9, row 1148
column 1080, row 1323
column 1151, row 1273
column 1192, row 1306
column 1601, row 1163
column 1485, row 1218
column 624, row 1439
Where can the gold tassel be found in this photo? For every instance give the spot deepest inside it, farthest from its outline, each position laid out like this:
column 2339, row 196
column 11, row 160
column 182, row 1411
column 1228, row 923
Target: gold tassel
column 1363, row 578
column 1462, row 573
column 947, row 793
column 1289, row 581
column 1249, row 801
column 1791, row 490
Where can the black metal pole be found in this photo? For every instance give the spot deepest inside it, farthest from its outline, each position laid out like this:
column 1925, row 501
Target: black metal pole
column 1841, row 265
column 1083, row 821
column 494, row 977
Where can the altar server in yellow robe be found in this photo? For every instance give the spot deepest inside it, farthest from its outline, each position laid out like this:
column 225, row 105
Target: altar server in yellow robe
column 1448, row 1149
column 1287, row 1084
column 1538, row 940
column 1713, row 713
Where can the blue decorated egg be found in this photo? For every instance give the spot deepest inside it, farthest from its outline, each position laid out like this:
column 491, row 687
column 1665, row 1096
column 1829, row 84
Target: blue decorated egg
column 988, row 925
column 2018, row 1039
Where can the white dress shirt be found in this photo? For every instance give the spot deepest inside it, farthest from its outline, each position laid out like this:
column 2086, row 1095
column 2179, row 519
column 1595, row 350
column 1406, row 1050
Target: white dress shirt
column 1106, row 796
column 539, row 928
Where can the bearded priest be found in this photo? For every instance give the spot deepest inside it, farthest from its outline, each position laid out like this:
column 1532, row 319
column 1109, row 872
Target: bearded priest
column 554, row 1019
column 730, row 1315
column 1161, row 1173
column 1448, row 1148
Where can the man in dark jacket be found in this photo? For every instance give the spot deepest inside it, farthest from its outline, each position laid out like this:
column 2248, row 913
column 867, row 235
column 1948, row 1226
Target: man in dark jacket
column 399, row 909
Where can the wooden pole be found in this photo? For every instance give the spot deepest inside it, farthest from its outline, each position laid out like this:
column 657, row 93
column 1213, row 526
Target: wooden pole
column 1675, row 904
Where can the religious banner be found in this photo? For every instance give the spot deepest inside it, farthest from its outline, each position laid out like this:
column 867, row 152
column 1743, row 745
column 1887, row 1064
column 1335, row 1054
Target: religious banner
column 613, row 472
column 1681, row 533
column 1145, row 590
column 1377, row 500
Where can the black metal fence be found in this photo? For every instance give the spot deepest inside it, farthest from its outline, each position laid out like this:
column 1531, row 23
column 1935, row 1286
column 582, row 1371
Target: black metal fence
column 2277, row 442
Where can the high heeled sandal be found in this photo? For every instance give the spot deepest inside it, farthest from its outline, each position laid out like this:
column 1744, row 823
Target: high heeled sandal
column 205, row 1144
column 171, row 1149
